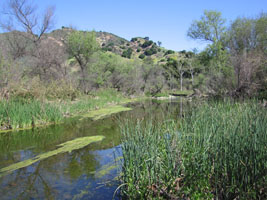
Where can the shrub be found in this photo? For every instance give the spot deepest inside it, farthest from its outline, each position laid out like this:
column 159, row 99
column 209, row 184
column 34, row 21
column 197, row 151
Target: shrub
column 150, row 51
column 127, row 53
column 147, row 43
column 169, row 52
column 134, row 39
column 142, row 56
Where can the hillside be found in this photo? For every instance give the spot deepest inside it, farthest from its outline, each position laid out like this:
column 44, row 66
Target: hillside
column 137, row 47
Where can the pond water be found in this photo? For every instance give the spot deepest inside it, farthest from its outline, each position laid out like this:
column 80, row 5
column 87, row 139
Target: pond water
column 90, row 172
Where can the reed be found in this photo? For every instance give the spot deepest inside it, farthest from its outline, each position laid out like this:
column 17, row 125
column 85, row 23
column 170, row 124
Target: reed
column 21, row 113
column 217, row 150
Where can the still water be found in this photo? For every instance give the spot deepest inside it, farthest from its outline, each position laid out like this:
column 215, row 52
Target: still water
column 90, row 172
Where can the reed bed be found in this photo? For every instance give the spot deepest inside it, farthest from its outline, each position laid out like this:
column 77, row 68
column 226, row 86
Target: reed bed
column 21, row 113
column 218, row 150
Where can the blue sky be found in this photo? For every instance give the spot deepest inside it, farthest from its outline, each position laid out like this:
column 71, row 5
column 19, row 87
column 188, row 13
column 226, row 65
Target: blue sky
column 162, row 20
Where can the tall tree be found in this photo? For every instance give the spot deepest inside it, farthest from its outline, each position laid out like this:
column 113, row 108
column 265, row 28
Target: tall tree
column 248, row 49
column 81, row 46
column 21, row 15
column 210, row 27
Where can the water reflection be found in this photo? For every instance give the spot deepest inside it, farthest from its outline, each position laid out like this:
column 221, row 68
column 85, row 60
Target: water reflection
column 87, row 173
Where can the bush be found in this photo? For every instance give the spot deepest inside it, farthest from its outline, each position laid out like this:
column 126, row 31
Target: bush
column 150, row 51
column 127, row 53
column 142, row 56
column 147, row 43
column 134, row 39
column 169, row 52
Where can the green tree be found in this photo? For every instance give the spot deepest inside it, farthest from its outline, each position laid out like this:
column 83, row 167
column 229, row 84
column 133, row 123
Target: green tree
column 176, row 68
column 81, row 46
column 210, row 27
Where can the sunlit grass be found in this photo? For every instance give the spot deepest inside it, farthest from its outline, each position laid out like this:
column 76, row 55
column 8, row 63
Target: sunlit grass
column 94, row 101
column 218, row 150
column 21, row 113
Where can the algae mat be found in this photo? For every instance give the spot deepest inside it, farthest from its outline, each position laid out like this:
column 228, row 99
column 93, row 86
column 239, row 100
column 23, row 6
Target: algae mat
column 63, row 148
column 101, row 113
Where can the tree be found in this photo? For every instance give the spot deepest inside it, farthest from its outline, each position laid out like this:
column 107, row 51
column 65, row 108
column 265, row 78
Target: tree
column 176, row 68
column 247, row 45
column 81, row 46
column 21, row 15
column 210, row 27
column 26, row 37
column 49, row 60
column 159, row 43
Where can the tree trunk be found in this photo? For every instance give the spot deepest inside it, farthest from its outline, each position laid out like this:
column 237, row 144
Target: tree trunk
column 181, row 80
column 192, row 76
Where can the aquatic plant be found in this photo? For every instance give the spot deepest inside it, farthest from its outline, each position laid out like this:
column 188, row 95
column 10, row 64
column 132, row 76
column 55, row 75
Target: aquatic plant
column 217, row 150
column 98, row 114
column 96, row 100
column 22, row 113
column 63, row 148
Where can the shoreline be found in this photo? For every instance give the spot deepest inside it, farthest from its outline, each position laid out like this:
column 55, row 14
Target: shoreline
column 111, row 108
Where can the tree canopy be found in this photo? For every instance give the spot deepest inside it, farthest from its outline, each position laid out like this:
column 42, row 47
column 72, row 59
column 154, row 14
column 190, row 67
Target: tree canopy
column 210, row 27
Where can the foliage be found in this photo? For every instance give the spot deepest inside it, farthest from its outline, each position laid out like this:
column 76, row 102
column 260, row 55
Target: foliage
column 218, row 150
column 21, row 113
column 127, row 53
column 81, row 46
column 96, row 100
column 150, row 51
column 134, row 39
column 169, row 52
column 210, row 27
column 142, row 56
column 147, row 43
column 247, row 45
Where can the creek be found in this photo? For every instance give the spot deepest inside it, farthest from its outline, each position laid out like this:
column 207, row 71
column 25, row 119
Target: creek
column 67, row 161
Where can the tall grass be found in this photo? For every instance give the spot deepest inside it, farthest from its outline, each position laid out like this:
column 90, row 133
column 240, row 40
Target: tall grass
column 27, row 111
column 218, row 150
column 98, row 99
column 20, row 113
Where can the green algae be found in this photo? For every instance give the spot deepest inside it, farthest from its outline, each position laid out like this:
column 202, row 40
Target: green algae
column 106, row 169
column 101, row 113
column 63, row 148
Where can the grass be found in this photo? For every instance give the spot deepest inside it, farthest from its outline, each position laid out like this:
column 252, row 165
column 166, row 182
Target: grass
column 21, row 113
column 96, row 100
column 217, row 151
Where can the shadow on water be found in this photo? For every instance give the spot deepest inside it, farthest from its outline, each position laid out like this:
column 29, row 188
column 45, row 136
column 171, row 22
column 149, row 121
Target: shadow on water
column 87, row 173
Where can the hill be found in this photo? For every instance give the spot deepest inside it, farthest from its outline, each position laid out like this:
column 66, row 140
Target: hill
column 138, row 47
